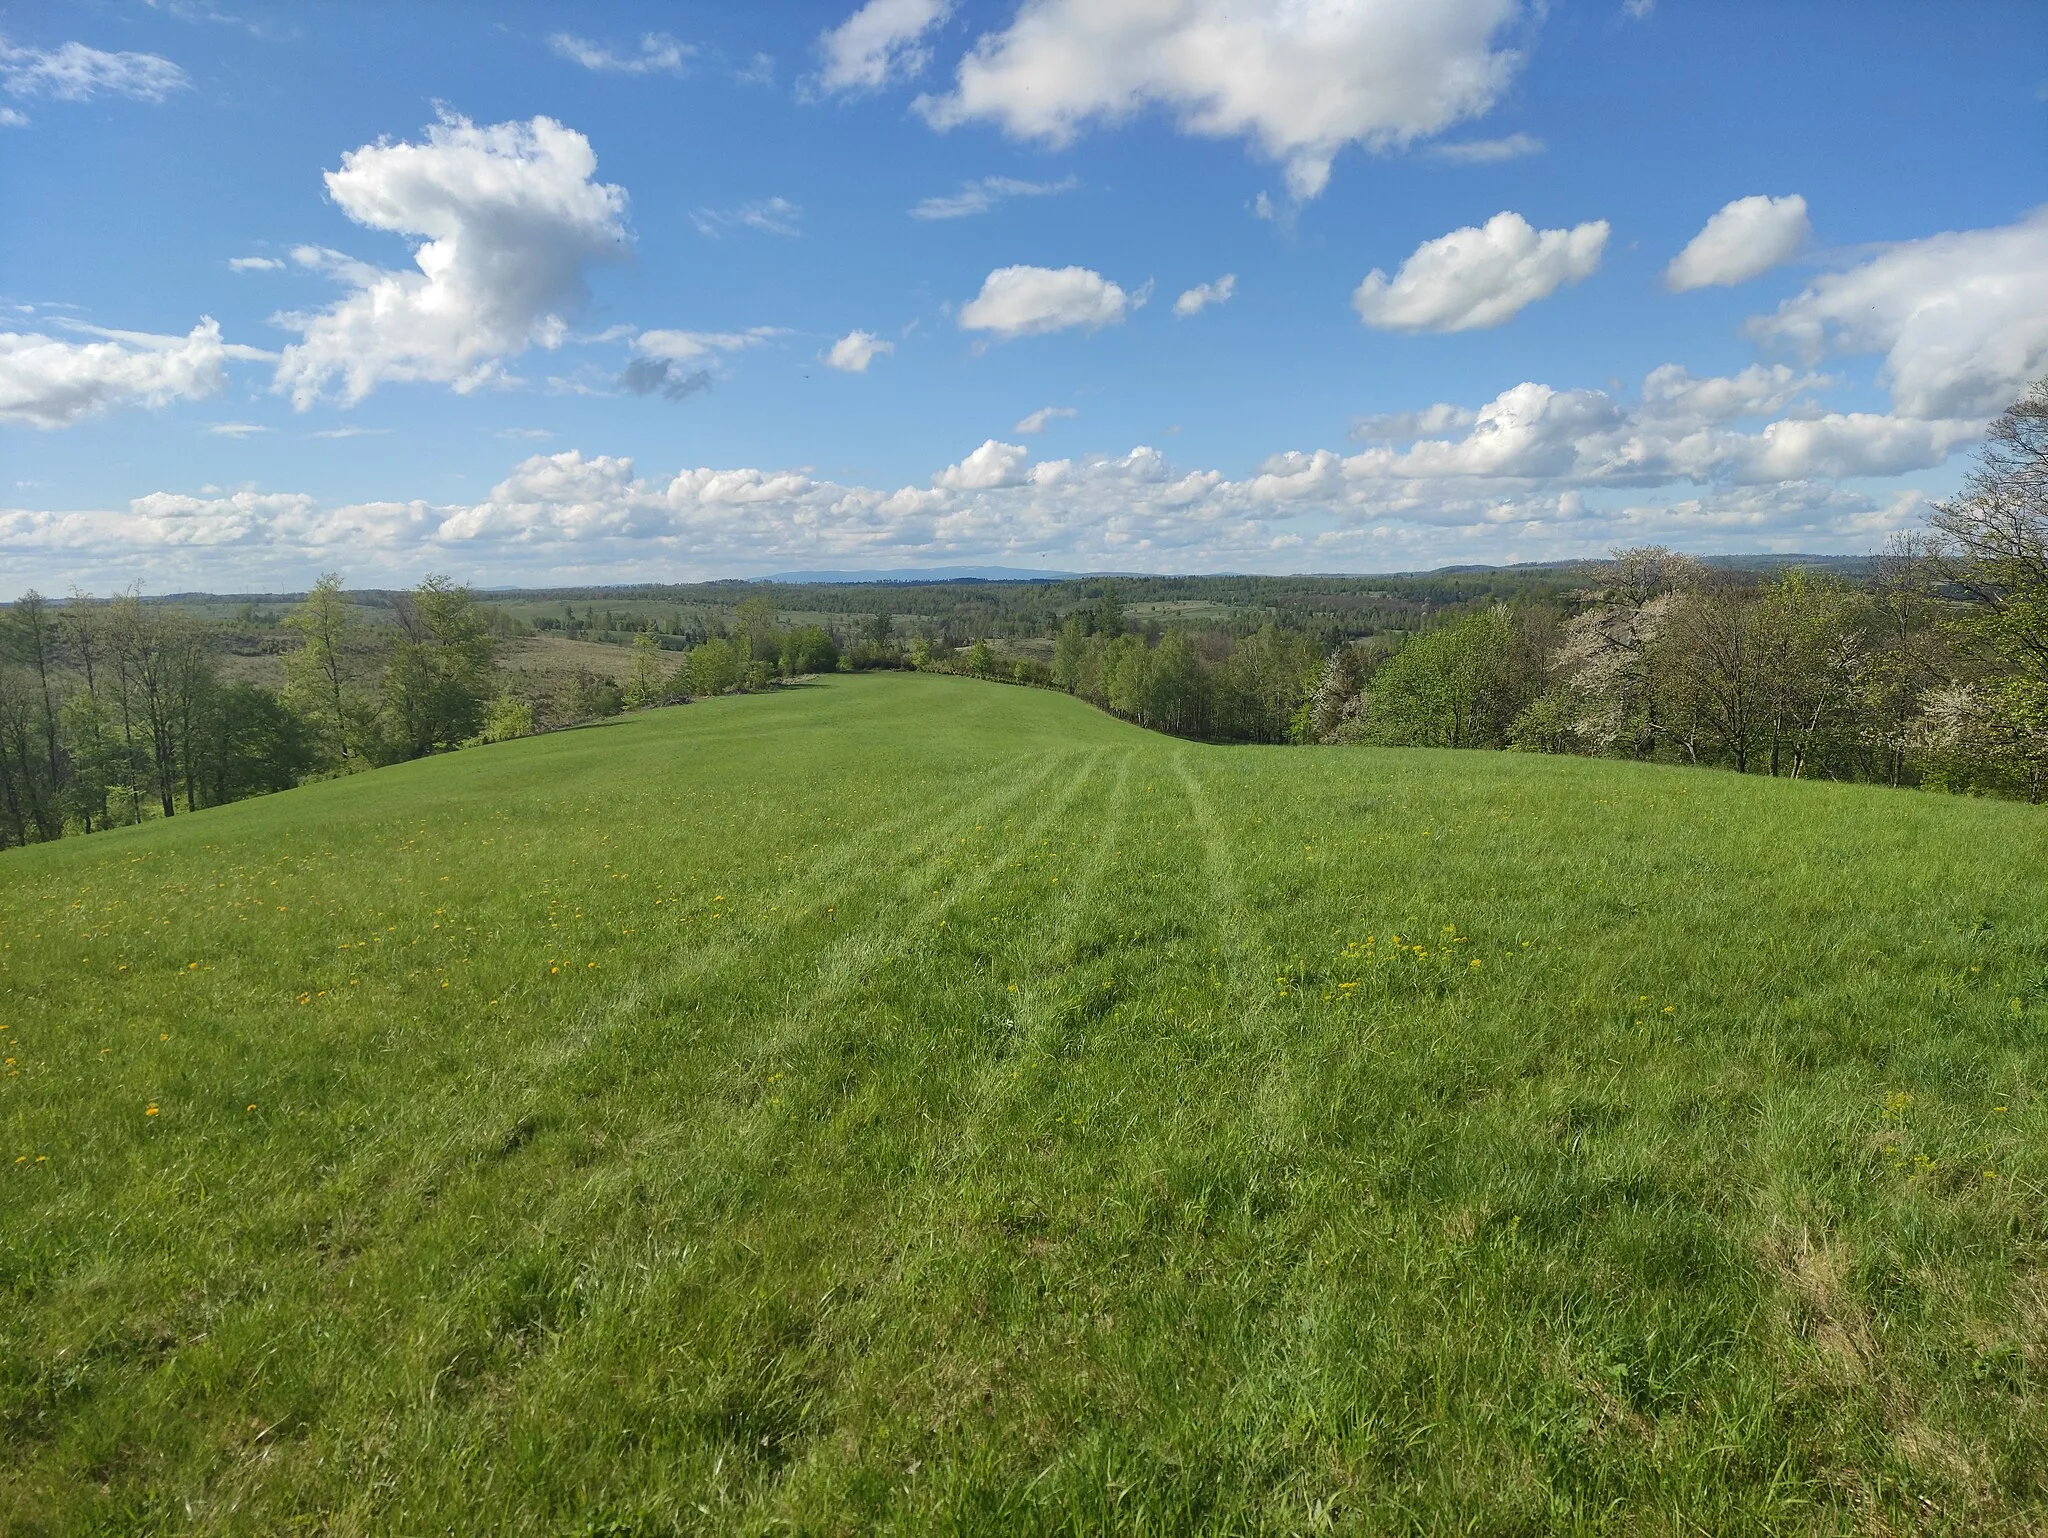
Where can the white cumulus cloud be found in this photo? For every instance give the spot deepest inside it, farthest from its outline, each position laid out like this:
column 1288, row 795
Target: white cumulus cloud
column 1746, row 238
column 1669, row 391
column 1961, row 319
column 993, row 464
column 1536, row 435
column 255, row 264
column 852, row 353
column 1026, row 301
column 75, row 72
column 1479, row 277
column 1197, row 299
column 45, row 382
column 510, row 214
column 1301, row 81
column 880, row 42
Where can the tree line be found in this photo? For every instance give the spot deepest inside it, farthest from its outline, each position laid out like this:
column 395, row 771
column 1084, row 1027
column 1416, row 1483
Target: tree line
column 117, row 711
column 1934, row 671
column 1931, row 670
column 114, row 711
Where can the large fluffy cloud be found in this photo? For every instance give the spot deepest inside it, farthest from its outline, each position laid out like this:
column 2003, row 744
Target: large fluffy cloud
column 1025, row 301
column 1479, row 277
column 1747, row 237
column 510, row 214
column 1961, row 319
column 1300, row 80
column 881, row 41
column 45, row 382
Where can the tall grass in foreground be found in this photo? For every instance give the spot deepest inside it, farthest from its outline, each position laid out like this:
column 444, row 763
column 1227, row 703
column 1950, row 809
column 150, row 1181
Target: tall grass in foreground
column 904, row 1103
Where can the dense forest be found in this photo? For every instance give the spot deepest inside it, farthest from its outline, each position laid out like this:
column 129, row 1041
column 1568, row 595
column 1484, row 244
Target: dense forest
column 1926, row 665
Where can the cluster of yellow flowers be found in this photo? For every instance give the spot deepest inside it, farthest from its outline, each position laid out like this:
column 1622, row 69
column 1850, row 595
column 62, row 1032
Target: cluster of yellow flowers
column 1359, row 955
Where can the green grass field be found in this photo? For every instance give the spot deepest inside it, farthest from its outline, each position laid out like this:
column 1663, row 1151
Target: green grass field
column 905, row 1103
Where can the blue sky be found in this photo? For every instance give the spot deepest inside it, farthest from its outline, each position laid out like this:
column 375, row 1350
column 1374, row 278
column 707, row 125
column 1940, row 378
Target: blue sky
column 645, row 292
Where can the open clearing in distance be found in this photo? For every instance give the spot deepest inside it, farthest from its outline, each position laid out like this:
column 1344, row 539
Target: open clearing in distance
column 917, row 1103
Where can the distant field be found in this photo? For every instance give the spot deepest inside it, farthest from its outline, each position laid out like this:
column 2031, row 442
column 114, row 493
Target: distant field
column 558, row 655
column 909, row 1103
column 536, row 661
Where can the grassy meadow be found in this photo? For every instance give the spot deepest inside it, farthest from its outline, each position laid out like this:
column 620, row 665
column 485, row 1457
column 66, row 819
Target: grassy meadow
column 911, row 1104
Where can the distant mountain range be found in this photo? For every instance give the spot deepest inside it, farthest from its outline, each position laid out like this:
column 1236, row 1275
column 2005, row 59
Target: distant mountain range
column 1753, row 562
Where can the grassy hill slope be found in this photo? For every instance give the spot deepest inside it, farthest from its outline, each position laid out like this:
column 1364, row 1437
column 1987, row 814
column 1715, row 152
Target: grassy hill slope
column 908, row 1102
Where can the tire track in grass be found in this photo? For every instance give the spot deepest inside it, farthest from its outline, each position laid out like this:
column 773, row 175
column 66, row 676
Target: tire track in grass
column 848, row 868
column 841, row 864
column 1246, row 965
column 530, row 1090
column 1160, row 911
column 1040, row 1003
column 1267, row 1029
column 977, row 1151
column 1031, row 1214
column 912, row 1159
column 855, row 959
column 832, row 973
